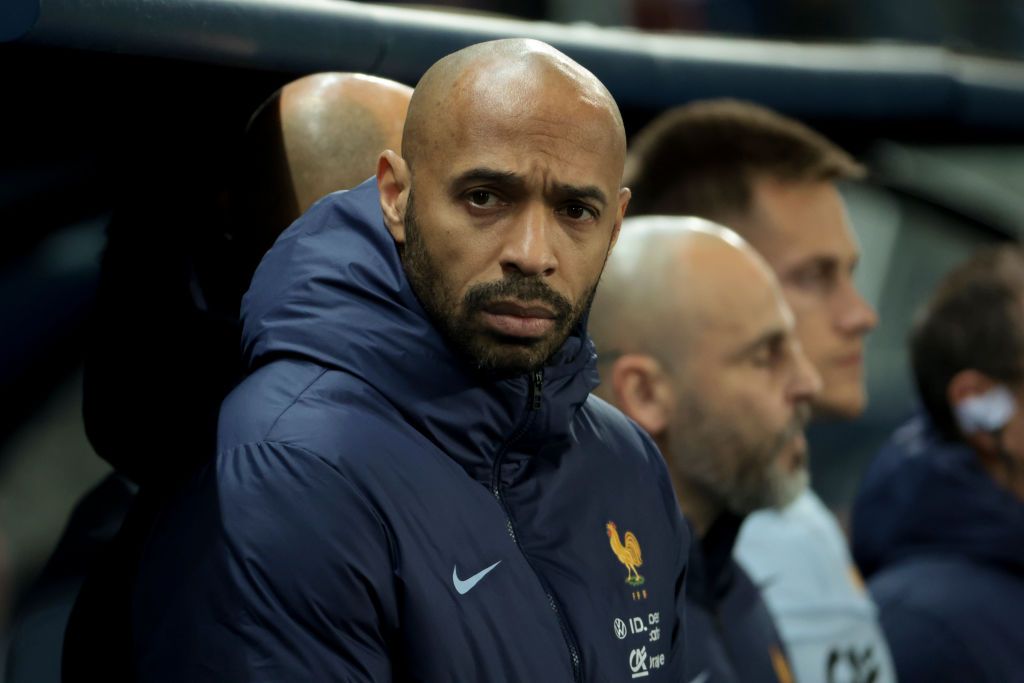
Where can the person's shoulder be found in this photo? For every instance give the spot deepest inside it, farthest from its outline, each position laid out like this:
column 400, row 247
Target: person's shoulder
column 360, row 205
column 803, row 526
column 800, row 551
column 951, row 589
column 622, row 459
column 316, row 409
column 935, row 624
column 624, row 438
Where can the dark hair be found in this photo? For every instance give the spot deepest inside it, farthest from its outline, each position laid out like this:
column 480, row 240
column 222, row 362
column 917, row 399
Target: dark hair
column 701, row 159
column 974, row 320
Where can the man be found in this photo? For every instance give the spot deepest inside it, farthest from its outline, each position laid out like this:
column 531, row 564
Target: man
column 412, row 482
column 939, row 521
column 170, row 290
column 698, row 347
column 773, row 180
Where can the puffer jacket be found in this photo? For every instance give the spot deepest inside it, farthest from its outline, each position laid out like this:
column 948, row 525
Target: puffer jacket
column 377, row 511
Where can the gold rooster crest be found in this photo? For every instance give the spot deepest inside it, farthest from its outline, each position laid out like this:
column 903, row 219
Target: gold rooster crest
column 628, row 553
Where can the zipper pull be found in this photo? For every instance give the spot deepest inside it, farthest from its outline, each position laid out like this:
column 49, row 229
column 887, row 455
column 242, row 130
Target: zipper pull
column 536, row 389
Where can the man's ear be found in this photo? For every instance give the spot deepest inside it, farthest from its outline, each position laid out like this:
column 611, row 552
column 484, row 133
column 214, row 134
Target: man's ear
column 642, row 391
column 394, row 184
column 624, row 194
column 966, row 384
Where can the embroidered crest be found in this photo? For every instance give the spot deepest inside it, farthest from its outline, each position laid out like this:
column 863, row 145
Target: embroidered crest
column 627, row 551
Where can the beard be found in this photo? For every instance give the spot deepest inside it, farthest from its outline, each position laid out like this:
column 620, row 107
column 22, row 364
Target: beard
column 741, row 470
column 459, row 321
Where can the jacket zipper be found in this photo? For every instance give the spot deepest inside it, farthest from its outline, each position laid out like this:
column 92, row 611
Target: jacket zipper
column 534, row 403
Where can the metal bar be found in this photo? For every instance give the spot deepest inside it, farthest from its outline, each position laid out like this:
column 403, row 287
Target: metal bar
column 641, row 69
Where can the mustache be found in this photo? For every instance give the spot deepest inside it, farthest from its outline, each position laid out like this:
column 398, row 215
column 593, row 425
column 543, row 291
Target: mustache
column 801, row 417
column 521, row 288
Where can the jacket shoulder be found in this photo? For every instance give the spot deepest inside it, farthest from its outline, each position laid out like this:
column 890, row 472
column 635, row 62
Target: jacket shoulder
column 952, row 613
column 319, row 410
column 800, row 550
column 625, row 438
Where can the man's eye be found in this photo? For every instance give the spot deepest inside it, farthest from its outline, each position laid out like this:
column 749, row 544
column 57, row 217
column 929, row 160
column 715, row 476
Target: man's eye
column 816, row 277
column 768, row 355
column 481, row 198
column 578, row 212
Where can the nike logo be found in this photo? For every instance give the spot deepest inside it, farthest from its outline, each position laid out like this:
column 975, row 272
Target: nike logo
column 464, row 587
column 701, row 677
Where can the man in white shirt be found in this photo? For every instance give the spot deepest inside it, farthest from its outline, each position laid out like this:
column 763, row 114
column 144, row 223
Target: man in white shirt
column 773, row 180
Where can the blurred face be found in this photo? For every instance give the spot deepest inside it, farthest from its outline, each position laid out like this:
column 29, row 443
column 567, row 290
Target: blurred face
column 803, row 233
column 742, row 398
column 510, row 218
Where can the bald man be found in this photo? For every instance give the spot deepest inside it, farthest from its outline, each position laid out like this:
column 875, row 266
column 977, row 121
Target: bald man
column 413, row 481
column 698, row 346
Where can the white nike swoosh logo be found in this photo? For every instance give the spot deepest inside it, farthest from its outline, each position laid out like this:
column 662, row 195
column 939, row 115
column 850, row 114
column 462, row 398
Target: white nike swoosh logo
column 701, row 677
column 464, row 587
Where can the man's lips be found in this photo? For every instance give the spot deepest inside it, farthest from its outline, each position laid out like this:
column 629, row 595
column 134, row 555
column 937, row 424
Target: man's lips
column 793, row 455
column 850, row 360
column 516, row 319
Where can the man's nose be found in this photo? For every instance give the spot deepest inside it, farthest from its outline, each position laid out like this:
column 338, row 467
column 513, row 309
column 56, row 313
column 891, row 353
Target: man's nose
column 806, row 382
column 527, row 247
column 854, row 315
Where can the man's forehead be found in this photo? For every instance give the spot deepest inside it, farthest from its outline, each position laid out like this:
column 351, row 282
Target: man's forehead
column 515, row 182
column 535, row 167
column 748, row 313
column 734, row 300
column 536, row 154
column 546, row 103
column 559, row 115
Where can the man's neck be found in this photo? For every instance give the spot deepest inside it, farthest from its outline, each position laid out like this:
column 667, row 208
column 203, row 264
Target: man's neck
column 697, row 505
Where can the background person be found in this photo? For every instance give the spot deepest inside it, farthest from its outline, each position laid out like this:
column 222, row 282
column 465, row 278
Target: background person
column 171, row 282
column 939, row 521
column 773, row 180
column 698, row 346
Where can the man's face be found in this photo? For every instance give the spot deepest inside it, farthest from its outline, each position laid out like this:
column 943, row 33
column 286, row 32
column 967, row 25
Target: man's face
column 509, row 222
column 802, row 231
column 742, row 397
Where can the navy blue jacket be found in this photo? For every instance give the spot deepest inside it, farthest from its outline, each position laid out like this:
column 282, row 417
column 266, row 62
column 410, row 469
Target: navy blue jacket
column 943, row 548
column 731, row 637
column 377, row 511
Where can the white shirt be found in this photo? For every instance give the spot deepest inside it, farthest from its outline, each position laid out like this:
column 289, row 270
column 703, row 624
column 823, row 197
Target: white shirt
column 799, row 558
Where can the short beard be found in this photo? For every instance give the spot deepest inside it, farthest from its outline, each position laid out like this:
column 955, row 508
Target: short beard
column 740, row 473
column 458, row 321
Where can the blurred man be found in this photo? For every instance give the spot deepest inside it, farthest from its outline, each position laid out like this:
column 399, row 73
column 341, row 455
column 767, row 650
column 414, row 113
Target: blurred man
column 316, row 135
column 413, row 483
column 168, row 301
column 939, row 521
column 773, row 180
column 698, row 346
